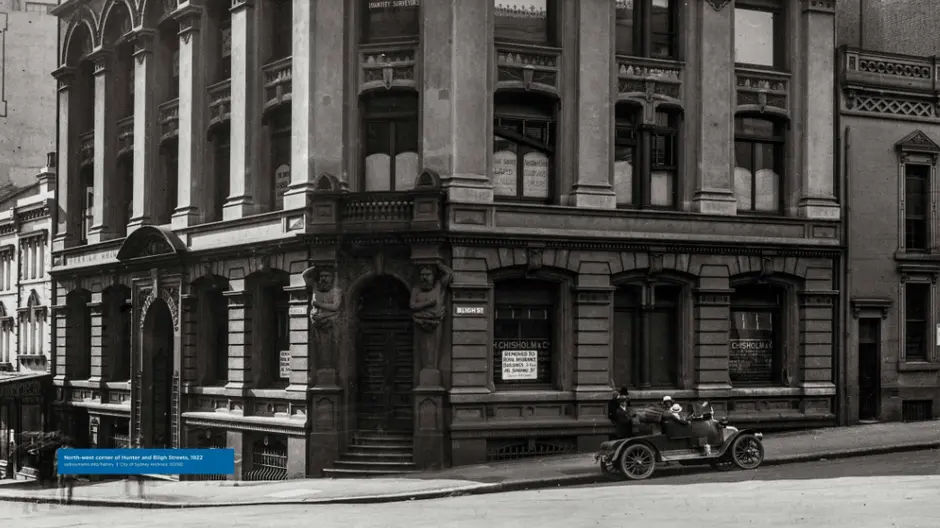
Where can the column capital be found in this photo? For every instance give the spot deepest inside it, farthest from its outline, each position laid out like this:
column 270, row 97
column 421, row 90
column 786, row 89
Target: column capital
column 142, row 40
column 238, row 5
column 64, row 74
column 820, row 6
column 190, row 19
column 102, row 59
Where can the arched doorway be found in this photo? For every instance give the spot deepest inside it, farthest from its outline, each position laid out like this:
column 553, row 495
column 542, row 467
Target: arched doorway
column 385, row 351
column 158, row 374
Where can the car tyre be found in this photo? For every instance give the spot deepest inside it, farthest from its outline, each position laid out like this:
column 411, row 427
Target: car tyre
column 747, row 451
column 637, row 461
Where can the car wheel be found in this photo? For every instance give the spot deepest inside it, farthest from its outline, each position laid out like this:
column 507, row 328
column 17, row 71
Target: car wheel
column 747, row 452
column 637, row 461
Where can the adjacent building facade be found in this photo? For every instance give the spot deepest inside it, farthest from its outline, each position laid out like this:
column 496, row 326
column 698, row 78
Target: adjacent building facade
column 890, row 129
column 25, row 300
column 436, row 231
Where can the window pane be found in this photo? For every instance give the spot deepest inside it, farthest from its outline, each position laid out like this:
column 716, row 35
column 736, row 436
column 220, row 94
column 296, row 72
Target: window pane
column 917, row 311
column 625, row 27
column 623, row 175
column 916, row 206
column 742, row 175
column 535, row 172
column 752, row 127
column 752, row 347
column 523, row 20
column 505, row 163
column 624, row 349
column 662, row 29
column 663, row 354
column 662, row 188
column 391, row 19
column 754, row 37
column 766, row 179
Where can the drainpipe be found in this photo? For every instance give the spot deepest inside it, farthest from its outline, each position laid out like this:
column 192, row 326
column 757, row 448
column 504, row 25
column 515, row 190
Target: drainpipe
column 846, row 271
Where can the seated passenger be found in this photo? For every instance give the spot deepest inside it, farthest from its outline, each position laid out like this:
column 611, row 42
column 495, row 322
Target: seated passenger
column 618, row 412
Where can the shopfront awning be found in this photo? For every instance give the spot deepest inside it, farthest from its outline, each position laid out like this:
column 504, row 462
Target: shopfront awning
column 17, row 385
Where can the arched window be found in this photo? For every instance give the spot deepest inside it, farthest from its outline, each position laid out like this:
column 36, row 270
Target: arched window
column 391, row 161
column 647, row 330
column 645, row 158
column 524, row 140
column 647, row 28
column 758, row 334
column 384, row 21
column 759, row 150
column 117, row 330
column 527, row 21
column 270, row 327
column 526, row 333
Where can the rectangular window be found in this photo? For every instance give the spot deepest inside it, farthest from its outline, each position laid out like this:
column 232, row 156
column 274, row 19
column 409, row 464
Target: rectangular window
column 759, row 35
column 524, row 334
column 645, row 159
column 390, row 20
column 524, row 134
column 392, row 135
column 916, row 207
column 756, row 345
column 916, row 320
column 646, row 337
column 282, row 28
column 758, row 153
column 526, row 21
column 646, row 28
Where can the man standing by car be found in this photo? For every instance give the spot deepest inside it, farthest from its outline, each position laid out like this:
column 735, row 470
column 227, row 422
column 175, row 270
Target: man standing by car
column 618, row 412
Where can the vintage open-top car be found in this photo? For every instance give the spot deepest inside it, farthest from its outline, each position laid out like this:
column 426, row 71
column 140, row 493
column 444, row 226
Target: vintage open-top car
column 699, row 439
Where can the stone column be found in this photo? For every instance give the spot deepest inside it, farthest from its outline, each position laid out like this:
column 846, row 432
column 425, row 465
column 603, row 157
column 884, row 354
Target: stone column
column 817, row 199
column 105, row 215
column 296, row 457
column 712, row 313
column 146, row 134
column 457, row 96
column 67, row 210
column 192, row 189
column 318, row 93
column 241, row 443
column 239, row 339
column 246, row 181
column 99, row 341
column 594, row 110
column 714, row 62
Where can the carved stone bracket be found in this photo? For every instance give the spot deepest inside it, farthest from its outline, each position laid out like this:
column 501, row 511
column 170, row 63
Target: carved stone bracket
column 718, row 4
column 533, row 259
column 880, row 305
column 820, row 6
column 388, row 67
column 656, row 265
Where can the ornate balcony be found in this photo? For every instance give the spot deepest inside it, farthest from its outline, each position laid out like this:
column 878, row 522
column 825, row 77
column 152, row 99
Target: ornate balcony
column 893, row 86
column 387, row 66
column 220, row 103
column 644, row 80
column 168, row 115
column 335, row 210
column 528, row 68
column 278, row 81
column 86, row 150
column 763, row 91
column 125, row 136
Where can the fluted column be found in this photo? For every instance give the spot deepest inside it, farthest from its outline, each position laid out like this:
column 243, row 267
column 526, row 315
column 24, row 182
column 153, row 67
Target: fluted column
column 246, row 180
column 192, row 188
column 146, row 138
column 595, row 83
column 714, row 60
column 104, row 209
column 67, row 215
column 817, row 199
column 319, row 67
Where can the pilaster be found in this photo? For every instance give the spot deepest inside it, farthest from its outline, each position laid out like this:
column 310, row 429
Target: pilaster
column 99, row 343
column 327, row 416
column 146, row 140
column 104, row 211
column 246, row 180
column 319, row 71
column 595, row 131
column 816, row 311
column 189, row 336
column 592, row 350
column 300, row 361
column 239, row 340
column 714, row 192
column 463, row 92
column 66, row 217
column 192, row 189
column 64, row 365
column 817, row 199
column 712, row 313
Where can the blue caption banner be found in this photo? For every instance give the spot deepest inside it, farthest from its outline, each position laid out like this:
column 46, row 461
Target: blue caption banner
column 145, row 461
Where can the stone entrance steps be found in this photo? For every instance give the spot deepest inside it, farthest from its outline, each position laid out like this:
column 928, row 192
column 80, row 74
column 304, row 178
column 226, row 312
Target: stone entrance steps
column 374, row 454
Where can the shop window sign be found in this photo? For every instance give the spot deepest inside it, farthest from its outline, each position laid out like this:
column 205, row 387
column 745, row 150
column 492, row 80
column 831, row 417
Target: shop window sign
column 522, row 360
column 752, row 347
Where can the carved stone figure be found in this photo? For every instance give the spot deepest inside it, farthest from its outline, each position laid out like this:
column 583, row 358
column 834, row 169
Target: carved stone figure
column 326, row 301
column 428, row 304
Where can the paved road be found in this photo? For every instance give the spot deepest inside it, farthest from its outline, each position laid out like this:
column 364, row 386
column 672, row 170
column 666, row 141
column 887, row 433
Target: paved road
column 897, row 490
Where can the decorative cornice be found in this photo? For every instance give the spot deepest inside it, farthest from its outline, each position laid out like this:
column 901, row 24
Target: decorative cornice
column 102, row 59
column 64, row 74
column 142, row 40
column 190, row 21
column 860, row 304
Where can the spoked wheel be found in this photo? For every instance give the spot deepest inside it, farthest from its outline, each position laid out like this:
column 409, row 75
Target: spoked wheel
column 747, row 452
column 637, row 462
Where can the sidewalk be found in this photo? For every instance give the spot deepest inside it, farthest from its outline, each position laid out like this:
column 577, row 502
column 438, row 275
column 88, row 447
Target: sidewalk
column 781, row 448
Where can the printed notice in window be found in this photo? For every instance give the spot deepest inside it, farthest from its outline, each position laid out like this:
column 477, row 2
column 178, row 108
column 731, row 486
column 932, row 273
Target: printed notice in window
column 520, row 364
column 504, row 173
column 393, row 3
column 535, row 175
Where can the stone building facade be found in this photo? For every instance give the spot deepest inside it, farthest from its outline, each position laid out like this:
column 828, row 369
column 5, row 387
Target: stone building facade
column 25, row 301
column 435, row 231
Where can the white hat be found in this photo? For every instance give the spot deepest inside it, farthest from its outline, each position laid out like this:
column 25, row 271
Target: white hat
column 667, row 398
column 675, row 408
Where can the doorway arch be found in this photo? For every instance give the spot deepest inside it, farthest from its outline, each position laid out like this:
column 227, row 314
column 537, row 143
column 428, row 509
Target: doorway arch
column 385, row 357
column 157, row 347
